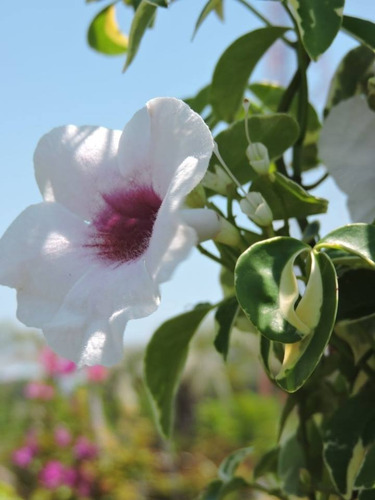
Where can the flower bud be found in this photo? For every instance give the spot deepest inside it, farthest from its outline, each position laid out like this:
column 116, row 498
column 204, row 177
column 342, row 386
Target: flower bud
column 258, row 157
column 256, row 207
column 218, row 181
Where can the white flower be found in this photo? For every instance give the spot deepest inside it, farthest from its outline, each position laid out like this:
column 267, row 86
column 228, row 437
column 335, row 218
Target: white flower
column 347, row 149
column 111, row 227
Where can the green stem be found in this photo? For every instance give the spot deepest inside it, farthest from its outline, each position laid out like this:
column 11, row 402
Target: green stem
column 264, row 20
column 211, row 256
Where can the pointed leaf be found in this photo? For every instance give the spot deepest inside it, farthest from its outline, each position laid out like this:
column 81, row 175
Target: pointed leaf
column 286, row 198
column 225, row 316
column 164, row 361
column 104, row 34
column 211, row 6
column 318, row 23
column 230, row 464
column 143, row 18
column 362, row 29
column 356, row 239
column 234, row 68
column 278, row 132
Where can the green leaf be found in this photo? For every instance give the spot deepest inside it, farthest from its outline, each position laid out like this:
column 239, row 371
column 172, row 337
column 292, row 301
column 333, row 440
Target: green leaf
column 361, row 29
column 356, row 239
column 367, row 495
column 351, row 76
column 270, row 95
column 291, row 462
column 104, row 34
column 212, row 491
column 225, row 316
column 159, row 3
column 286, row 198
column 278, row 132
column 366, row 475
column 211, row 6
column 164, row 361
column 143, row 18
column 267, row 464
column 318, row 23
column 267, row 289
column 200, row 101
column 234, row 68
column 346, row 440
column 230, row 464
column 268, row 293
column 356, row 297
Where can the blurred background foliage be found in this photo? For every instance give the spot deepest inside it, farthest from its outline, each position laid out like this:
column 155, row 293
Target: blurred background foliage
column 76, row 434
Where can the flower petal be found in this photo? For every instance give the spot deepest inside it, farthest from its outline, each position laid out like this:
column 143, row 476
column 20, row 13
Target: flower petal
column 175, row 141
column 347, row 148
column 74, row 165
column 41, row 255
column 89, row 326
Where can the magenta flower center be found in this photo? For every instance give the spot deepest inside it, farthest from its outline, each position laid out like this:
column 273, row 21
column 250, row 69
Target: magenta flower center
column 123, row 227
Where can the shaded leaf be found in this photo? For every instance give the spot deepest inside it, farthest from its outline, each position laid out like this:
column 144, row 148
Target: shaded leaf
column 104, row 34
column 291, row 462
column 362, row 29
column 230, row 464
column 164, row 361
column 225, row 316
column 356, row 294
column 345, row 439
column 267, row 464
column 351, row 76
column 234, row 68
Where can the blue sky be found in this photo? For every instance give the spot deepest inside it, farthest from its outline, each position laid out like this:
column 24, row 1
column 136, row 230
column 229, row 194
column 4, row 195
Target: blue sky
column 51, row 77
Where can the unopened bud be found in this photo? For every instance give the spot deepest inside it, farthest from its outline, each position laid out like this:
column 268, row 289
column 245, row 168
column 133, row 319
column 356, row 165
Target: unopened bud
column 218, row 181
column 258, row 157
column 256, row 207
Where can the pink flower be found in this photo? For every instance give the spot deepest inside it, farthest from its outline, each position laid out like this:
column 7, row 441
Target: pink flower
column 39, row 390
column 97, row 373
column 84, row 449
column 112, row 227
column 52, row 475
column 23, row 456
column 70, row 477
column 55, row 365
column 62, row 436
